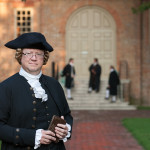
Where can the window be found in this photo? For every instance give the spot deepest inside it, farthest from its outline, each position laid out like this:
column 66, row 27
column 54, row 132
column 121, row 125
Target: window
column 23, row 21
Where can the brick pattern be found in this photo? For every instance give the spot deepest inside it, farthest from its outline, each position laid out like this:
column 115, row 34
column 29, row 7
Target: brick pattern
column 102, row 130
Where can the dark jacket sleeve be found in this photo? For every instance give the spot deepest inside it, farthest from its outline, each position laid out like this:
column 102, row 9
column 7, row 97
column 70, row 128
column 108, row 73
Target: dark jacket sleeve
column 91, row 67
column 58, row 95
column 66, row 109
column 65, row 71
column 98, row 70
column 9, row 132
column 114, row 79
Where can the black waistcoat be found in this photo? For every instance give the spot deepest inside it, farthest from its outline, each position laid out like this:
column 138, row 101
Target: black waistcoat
column 44, row 113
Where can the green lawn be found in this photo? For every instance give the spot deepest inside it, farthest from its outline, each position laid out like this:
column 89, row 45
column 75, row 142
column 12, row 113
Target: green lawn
column 0, row 145
column 140, row 129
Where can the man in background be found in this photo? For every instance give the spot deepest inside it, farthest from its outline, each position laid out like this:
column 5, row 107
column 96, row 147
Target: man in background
column 95, row 73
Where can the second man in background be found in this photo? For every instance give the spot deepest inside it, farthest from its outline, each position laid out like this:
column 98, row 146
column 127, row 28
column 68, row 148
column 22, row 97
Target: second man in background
column 69, row 73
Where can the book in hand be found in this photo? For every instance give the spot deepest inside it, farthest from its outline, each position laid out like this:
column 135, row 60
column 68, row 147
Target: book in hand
column 55, row 120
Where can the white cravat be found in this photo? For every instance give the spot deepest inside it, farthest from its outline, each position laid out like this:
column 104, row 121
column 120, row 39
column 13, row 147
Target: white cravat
column 94, row 64
column 33, row 80
column 111, row 70
column 72, row 67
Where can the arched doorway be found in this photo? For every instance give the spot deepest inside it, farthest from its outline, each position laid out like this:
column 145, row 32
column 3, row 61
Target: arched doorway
column 90, row 33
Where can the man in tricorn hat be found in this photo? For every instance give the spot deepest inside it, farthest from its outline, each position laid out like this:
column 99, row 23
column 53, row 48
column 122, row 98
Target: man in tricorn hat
column 29, row 99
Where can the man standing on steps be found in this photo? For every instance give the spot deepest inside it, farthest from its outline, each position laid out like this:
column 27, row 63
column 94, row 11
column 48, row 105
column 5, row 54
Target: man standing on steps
column 95, row 73
column 69, row 73
column 113, row 82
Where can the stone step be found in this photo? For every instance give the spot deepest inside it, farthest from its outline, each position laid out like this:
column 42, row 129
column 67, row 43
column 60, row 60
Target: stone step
column 85, row 93
column 100, row 105
column 103, row 108
column 94, row 101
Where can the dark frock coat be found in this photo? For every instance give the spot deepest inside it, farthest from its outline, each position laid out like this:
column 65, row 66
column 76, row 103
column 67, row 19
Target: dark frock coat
column 21, row 114
column 94, row 81
column 69, row 81
column 113, row 82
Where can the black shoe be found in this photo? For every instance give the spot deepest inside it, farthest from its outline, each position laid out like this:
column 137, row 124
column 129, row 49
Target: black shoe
column 71, row 98
column 106, row 98
column 89, row 91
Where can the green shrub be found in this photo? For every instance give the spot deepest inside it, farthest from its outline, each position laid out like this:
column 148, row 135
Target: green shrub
column 143, row 107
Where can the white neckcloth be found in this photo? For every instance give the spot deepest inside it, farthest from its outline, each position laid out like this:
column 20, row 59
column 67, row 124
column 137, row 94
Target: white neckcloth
column 33, row 80
column 111, row 70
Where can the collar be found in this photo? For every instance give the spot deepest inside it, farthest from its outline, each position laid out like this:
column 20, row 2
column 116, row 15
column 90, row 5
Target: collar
column 33, row 80
column 29, row 76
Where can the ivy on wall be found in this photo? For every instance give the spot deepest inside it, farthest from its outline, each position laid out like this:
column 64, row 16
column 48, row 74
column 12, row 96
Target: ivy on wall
column 143, row 7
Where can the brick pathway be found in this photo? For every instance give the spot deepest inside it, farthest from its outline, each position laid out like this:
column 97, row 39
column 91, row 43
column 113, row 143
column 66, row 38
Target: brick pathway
column 102, row 130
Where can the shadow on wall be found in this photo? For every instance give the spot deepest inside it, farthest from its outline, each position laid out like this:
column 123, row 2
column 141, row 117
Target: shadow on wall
column 125, row 81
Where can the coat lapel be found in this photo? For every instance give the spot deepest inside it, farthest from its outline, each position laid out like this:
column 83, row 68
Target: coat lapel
column 52, row 92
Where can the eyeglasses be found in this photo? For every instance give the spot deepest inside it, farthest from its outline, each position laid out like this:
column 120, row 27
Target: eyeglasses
column 30, row 55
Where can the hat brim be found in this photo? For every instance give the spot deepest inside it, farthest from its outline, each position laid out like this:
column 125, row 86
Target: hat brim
column 30, row 40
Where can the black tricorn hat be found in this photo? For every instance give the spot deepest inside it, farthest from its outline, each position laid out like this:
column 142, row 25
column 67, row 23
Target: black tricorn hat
column 33, row 40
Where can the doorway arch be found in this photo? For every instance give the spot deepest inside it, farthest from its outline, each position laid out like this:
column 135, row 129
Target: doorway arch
column 91, row 33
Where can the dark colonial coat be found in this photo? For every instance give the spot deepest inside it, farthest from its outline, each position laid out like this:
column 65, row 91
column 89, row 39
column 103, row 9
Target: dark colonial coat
column 95, row 73
column 21, row 114
column 67, row 73
column 113, row 82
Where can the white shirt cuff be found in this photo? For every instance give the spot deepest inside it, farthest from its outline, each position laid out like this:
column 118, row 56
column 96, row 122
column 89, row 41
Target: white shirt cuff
column 69, row 134
column 39, row 135
column 38, row 138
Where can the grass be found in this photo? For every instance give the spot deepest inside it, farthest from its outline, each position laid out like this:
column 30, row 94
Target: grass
column 140, row 129
column 0, row 145
column 143, row 107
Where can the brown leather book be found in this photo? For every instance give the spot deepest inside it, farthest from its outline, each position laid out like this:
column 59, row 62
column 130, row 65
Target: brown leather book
column 55, row 120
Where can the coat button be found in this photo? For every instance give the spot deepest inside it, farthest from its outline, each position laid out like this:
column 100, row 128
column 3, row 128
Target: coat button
column 33, row 95
column 34, row 118
column 34, row 102
column 33, row 126
column 17, row 130
column 31, row 88
column 47, row 114
column 28, row 148
column 46, row 107
column 17, row 137
column 34, row 109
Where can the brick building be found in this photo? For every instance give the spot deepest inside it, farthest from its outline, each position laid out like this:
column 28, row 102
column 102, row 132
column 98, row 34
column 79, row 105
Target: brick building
column 84, row 29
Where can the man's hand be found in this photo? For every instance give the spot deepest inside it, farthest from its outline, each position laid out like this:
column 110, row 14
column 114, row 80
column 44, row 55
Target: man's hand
column 61, row 130
column 47, row 137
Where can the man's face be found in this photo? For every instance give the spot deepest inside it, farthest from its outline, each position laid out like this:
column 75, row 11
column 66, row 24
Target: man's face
column 32, row 60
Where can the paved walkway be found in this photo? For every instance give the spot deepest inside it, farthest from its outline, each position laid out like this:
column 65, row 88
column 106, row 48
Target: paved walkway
column 102, row 130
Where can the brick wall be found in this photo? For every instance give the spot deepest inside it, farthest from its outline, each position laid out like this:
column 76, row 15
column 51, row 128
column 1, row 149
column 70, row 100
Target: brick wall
column 50, row 18
column 145, row 58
